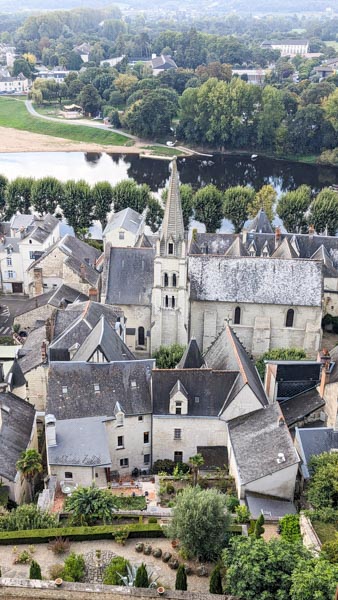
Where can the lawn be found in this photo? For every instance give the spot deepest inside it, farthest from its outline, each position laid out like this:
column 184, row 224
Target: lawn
column 163, row 151
column 325, row 531
column 13, row 114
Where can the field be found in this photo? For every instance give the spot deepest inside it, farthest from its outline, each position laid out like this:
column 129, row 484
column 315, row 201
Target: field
column 14, row 115
column 163, row 151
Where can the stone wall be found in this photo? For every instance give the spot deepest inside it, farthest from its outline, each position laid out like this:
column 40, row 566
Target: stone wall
column 27, row 589
column 27, row 320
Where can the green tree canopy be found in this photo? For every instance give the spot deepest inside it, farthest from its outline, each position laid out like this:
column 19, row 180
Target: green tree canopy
column 195, row 463
column 47, row 194
column 103, row 199
column 19, row 193
column 236, row 205
column 292, row 207
column 265, row 198
column 90, row 504
column 199, row 522
column 30, row 465
column 331, row 108
column 127, row 194
column 3, row 189
column 167, row 357
column 279, row 354
column 208, row 203
column 314, row 579
column 154, row 214
column 151, row 116
column 21, row 66
column 324, row 212
column 89, row 99
column 322, row 491
column 77, row 205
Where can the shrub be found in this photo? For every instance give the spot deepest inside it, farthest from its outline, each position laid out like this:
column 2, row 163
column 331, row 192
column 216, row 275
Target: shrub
column 215, row 585
column 231, row 502
column 74, row 568
column 35, row 570
column 259, row 529
column 170, row 489
column 152, row 520
column 24, row 558
column 142, row 579
column 116, row 568
column 27, row 516
column 165, row 465
column 181, row 579
column 59, row 545
column 289, row 528
column 56, row 571
column 330, row 551
column 242, row 514
column 89, row 504
column 279, row 354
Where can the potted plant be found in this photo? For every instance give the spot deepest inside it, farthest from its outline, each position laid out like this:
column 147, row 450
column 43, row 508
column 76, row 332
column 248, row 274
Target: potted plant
column 58, row 582
column 160, row 591
column 174, row 543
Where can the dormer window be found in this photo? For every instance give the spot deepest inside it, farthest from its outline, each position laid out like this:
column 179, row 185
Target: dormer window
column 96, row 388
column 170, row 248
column 133, row 384
column 64, row 390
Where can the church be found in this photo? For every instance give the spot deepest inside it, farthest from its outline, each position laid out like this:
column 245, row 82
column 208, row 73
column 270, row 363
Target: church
column 171, row 288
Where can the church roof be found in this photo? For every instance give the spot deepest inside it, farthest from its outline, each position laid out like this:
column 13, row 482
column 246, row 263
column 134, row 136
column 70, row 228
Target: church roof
column 131, row 276
column 192, row 357
column 260, row 223
column 104, row 339
column 172, row 225
column 236, row 249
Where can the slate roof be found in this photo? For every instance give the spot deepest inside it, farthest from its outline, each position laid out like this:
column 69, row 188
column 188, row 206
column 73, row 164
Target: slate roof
column 19, row 221
column 15, row 432
column 33, row 303
column 210, row 387
column 215, row 457
column 271, row 508
column 295, row 377
column 15, row 377
column 257, row 280
column 314, row 441
column 285, row 250
column 334, row 371
column 130, row 276
column 257, row 439
column 116, row 381
column 260, row 223
column 172, row 224
column 164, row 61
column 105, row 339
column 192, row 357
column 65, row 295
column 91, row 448
column 30, row 354
column 43, row 228
column 227, row 353
column 9, row 241
column 328, row 269
column 302, row 405
column 236, row 249
column 127, row 219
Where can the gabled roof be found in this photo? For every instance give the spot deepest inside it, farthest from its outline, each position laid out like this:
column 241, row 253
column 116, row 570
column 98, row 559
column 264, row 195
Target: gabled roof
column 71, row 393
column 143, row 241
column 33, row 303
column 296, row 408
column 261, row 444
column 192, row 357
column 227, row 353
column 285, row 250
column 172, row 225
column 260, row 223
column 127, row 219
column 65, row 295
column 178, row 387
column 15, row 377
column 18, row 418
column 236, row 249
column 30, row 354
column 328, row 269
column 164, row 61
column 103, row 338
column 130, row 276
column 314, row 441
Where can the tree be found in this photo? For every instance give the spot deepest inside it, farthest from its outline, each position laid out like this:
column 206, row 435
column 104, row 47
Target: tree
column 208, row 203
column 151, row 116
column 196, row 462
column 181, row 579
column 199, row 522
column 331, row 108
column 77, row 205
column 314, row 579
column 90, row 504
column 47, row 194
column 30, row 465
column 103, row 199
column 127, row 194
column 271, row 116
column 292, row 207
column 19, row 196
column 142, row 579
column 167, row 357
column 322, row 491
column 154, row 214
column 324, row 212
column 35, row 570
column 187, row 202
column 279, row 354
column 215, row 585
column 236, row 205
column 3, row 189
column 21, row 66
column 259, row 570
column 329, row 551
column 265, row 199
column 259, row 529
column 89, row 99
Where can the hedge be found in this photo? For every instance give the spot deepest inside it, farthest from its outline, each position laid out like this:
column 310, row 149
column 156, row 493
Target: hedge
column 79, row 534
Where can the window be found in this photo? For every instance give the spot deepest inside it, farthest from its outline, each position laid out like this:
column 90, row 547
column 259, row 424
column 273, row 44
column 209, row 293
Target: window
column 9, row 261
column 9, row 250
column 146, row 437
column 174, row 280
column 197, row 399
column 177, row 434
column 133, row 384
column 120, row 443
column 30, row 241
column 64, row 389
column 178, row 457
column 119, row 419
column 170, row 248
column 237, row 318
column 172, row 301
column 140, row 418
column 166, row 280
column 141, row 336
column 146, row 459
column 124, row 462
column 289, row 318
column 178, row 408
column 10, row 274
column 32, row 255
column 166, row 302
column 96, row 388
column 68, row 475
column 121, row 235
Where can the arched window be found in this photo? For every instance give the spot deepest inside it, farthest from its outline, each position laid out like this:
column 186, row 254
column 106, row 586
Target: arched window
column 141, row 336
column 166, row 302
column 166, row 280
column 237, row 318
column 289, row 318
column 174, row 280
column 172, row 301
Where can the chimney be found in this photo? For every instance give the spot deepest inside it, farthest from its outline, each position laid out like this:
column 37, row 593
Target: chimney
column 93, row 294
column 244, row 235
column 50, row 423
column 311, row 231
column 82, row 271
column 278, row 236
column 324, row 358
column 44, row 351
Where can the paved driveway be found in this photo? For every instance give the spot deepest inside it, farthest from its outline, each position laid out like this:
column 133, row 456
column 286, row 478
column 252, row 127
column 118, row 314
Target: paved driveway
column 9, row 307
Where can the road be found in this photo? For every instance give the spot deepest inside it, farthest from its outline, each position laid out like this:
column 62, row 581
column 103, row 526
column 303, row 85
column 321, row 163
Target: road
column 9, row 307
column 82, row 122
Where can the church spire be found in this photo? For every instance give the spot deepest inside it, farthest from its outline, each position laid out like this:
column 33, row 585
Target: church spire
column 172, row 233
